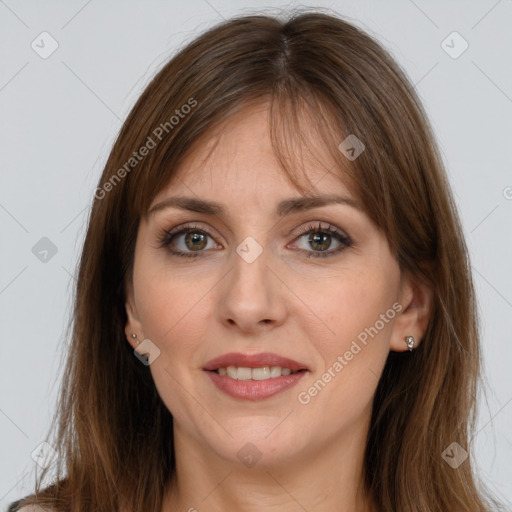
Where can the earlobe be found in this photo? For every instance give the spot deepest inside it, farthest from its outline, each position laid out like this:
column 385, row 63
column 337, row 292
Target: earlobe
column 412, row 322
column 133, row 328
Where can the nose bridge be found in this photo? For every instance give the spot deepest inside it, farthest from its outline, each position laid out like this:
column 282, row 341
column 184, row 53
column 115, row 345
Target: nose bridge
column 250, row 272
column 251, row 293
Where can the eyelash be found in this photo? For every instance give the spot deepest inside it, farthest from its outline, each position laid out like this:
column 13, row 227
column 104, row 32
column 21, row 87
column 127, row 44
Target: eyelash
column 167, row 236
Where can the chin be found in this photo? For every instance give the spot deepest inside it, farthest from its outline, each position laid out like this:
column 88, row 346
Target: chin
column 259, row 446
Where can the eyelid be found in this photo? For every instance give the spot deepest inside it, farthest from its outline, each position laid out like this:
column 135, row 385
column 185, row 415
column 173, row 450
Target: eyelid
column 317, row 225
column 344, row 240
column 166, row 236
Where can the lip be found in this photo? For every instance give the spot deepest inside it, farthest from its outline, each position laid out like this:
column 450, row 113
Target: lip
column 254, row 389
column 253, row 361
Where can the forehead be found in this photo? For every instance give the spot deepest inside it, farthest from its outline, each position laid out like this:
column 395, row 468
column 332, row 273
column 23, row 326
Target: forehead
column 237, row 157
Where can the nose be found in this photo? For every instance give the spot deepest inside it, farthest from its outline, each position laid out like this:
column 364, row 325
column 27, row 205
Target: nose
column 252, row 296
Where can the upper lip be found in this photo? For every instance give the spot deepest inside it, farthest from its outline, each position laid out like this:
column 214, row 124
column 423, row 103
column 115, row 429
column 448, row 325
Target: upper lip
column 253, row 361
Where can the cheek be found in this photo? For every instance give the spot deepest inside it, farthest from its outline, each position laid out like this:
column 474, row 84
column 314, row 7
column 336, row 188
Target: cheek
column 175, row 317
column 353, row 305
column 357, row 309
column 167, row 300
column 175, row 310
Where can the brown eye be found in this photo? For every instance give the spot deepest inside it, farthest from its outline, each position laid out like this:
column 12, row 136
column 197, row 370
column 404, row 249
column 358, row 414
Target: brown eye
column 320, row 239
column 320, row 242
column 188, row 241
column 195, row 240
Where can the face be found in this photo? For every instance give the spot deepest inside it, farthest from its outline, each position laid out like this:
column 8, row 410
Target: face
column 318, row 286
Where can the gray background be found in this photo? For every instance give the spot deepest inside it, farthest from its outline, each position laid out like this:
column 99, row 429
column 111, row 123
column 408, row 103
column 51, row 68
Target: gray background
column 60, row 116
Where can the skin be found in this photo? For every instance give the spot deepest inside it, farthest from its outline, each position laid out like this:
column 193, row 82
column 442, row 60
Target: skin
column 307, row 309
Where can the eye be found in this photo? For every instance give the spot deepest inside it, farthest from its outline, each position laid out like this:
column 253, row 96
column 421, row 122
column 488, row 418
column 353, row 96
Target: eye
column 321, row 238
column 190, row 240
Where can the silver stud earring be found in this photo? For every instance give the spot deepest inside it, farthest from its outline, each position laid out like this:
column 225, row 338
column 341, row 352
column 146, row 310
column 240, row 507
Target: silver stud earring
column 134, row 336
column 410, row 342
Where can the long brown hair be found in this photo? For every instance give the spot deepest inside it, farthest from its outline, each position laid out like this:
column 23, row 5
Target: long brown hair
column 113, row 433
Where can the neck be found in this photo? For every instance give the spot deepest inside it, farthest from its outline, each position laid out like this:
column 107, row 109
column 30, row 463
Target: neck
column 328, row 477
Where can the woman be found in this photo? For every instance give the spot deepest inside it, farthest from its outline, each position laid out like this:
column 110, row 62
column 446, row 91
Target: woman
column 274, row 306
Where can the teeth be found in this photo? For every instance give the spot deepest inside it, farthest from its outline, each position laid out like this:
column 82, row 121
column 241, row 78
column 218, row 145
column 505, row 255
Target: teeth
column 242, row 373
column 276, row 371
column 260, row 373
column 263, row 373
column 232, row 372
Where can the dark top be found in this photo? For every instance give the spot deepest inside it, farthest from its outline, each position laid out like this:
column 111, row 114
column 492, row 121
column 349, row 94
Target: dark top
column 14, row 506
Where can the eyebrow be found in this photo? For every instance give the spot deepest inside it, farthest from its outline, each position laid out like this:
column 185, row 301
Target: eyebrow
column 285, row 207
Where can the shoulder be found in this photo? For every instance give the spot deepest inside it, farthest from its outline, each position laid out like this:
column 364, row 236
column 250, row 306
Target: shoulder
column 18, row 506
column 27, row 508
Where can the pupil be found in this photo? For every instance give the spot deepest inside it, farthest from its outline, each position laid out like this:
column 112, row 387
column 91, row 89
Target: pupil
column 325, row 244
column 195, row 238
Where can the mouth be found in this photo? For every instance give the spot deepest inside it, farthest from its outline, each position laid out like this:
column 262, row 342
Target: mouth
column 254, row 377
column 259, row 373
column 263, row 362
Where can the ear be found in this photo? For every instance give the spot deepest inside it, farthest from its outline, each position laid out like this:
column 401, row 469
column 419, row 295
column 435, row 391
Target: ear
column 413, row 319
column 133, row 324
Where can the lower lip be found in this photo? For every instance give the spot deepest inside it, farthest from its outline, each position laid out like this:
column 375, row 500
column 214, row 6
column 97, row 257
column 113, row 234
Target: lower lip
column 254, row 389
